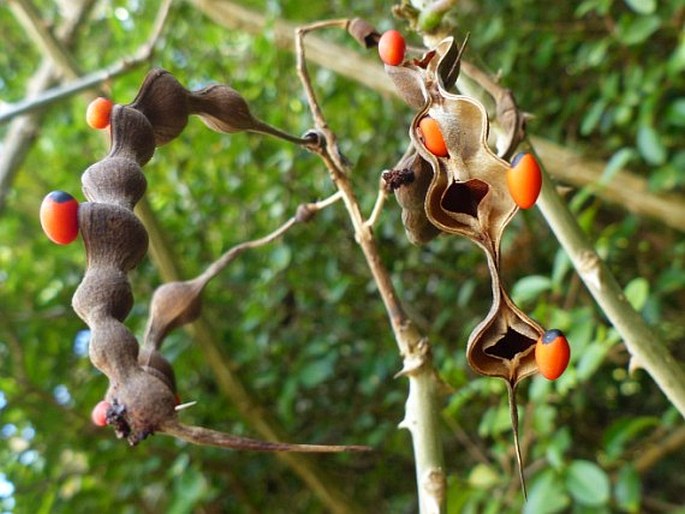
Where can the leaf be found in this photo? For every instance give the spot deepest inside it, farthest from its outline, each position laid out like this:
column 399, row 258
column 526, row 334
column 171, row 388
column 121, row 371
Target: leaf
column 650, row 146
column 623, row 431
column 637, row 292
column 530, row 288
column 642, row 6
column 592, row 117
column 675, row 113
column 628, row 489
column 616, row 163
column 483, row 476
column 635, row 30
column 587, row 483
column 547, row 495
column 318, row 371
column 590, row 360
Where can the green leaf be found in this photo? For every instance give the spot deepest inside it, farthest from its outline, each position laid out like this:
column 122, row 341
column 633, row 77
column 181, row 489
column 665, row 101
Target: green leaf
column 590, row 360
column 318, row 371
column 587, row 483
column 616, row 163
column 592, row 117
column 546, row 495
column 530, row 288
column 637, row 292
column 623, row 431
column 632, row 30
column 628, row 489
column 642, row 6
column 675, row 113
column 483, row 476
column 650, row 146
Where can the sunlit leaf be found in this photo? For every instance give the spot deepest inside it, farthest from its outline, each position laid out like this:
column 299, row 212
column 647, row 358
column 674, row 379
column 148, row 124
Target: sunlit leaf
column 588, row 483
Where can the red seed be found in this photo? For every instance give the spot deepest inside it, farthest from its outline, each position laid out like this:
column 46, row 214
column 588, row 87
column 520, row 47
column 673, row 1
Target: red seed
column 524, row 180
column 552, row 353
column 432, row 136
column 391, row 47
column 99, row 413
column 59, row 217
column 98, row 113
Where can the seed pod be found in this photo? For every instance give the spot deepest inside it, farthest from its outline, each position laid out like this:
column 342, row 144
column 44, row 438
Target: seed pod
column 365, row 33
column 164, row 102
column 173, row 304
column 223, row 109
column 155, row 363
column 410, row 192
column 132, row 135
column 115, row 180
column 113, row 235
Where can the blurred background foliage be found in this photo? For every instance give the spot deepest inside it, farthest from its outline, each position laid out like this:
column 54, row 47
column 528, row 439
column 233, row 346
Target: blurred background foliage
column 300, row 320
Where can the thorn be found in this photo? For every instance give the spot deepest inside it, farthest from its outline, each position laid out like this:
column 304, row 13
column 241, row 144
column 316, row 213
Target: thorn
column 185, row 405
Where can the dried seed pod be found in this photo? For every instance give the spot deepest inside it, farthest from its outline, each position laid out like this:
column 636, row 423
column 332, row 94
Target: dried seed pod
column 115, row 180
column 141, row 397
column 173, row 304
column 107, row 292
column 365, row 33
column 164, row 102
column 503, row 344
column 468, row 195
column 155, row 363
column 132, row 135
column 223, row 109
column 409, row 82
column 410, row 183
column 113, row 235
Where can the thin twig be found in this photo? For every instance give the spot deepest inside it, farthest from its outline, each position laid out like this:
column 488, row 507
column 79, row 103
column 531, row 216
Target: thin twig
column 29, row 18
column 378, row 206
column 24, row 129
column 91, row 80
column 304, row 214
column 421, row 413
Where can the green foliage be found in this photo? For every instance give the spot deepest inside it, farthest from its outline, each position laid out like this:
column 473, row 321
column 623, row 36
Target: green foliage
column 301, row 320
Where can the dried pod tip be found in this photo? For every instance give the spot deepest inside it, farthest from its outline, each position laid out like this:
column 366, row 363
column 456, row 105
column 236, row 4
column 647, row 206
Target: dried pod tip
column 363, row 32
column 552, row 354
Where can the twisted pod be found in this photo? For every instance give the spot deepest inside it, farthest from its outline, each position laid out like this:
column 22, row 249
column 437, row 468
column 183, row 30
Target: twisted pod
column 460, row 187
column 141, row 397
